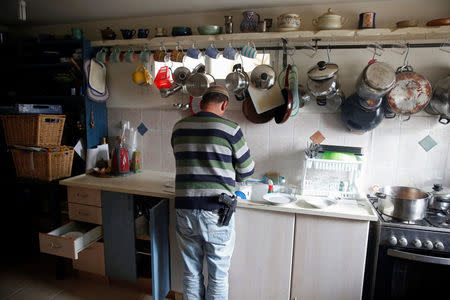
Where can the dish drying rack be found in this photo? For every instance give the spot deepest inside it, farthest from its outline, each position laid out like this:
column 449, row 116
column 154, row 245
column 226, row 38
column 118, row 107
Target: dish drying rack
column 325, row 177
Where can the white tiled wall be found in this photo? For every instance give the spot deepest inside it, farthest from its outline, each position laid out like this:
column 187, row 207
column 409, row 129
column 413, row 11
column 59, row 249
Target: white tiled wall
column 393, row 155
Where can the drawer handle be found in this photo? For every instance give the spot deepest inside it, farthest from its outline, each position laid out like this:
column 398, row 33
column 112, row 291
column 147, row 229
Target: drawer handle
column 82, row 195
column 54, row 246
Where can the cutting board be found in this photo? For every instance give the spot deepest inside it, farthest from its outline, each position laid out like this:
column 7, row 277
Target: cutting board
column 97, row 76
column 265, row 100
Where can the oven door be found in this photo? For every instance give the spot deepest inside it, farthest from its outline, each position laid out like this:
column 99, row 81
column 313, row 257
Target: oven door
column 408, row 274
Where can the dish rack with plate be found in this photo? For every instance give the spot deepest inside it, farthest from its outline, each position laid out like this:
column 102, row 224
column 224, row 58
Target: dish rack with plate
column 325, row 177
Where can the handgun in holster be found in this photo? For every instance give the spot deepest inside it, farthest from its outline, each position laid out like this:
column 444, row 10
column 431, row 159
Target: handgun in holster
column 226, row 212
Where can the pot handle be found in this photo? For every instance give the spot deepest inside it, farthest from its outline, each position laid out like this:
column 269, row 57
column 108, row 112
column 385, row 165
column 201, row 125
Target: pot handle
column 212, row 78
column 321, row 101
column 390, row 115
column 259, row 17
column 380, row 195
column 404, row 118
column 444, row 120
column 239, row 97
column 315, row 22
column 237, row 67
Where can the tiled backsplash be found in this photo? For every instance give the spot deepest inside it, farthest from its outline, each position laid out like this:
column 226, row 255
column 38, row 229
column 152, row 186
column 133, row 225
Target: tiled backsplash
column 392, row 153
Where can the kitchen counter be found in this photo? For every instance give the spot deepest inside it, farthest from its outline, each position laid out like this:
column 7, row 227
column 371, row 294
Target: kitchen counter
column 152, row 183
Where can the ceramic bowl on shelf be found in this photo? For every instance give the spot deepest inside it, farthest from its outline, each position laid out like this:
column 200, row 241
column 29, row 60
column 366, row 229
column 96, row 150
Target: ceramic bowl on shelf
column 209, row 29
column 329, row 20
column 289, row 22
column 407, row 23
column 181, row 30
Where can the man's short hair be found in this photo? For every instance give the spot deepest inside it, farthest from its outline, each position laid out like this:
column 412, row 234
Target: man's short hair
column 214, row 98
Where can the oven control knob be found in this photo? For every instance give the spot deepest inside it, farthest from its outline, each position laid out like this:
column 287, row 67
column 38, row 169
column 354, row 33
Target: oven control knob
column 403, row 242
column 439, row 246
column 417, row 243
column 428, row 244
column 393, row 240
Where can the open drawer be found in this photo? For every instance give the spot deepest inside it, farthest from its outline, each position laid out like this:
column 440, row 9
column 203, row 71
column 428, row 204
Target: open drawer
column 69, row 239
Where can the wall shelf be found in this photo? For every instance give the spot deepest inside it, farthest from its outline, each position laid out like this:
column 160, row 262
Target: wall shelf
column 342, row 35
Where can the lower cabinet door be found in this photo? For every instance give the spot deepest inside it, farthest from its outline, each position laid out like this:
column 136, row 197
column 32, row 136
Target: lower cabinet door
column 91, row 259
column 119, row 235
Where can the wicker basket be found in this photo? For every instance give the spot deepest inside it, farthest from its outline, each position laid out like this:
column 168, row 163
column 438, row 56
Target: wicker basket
column 33, row 130
column 45, row 166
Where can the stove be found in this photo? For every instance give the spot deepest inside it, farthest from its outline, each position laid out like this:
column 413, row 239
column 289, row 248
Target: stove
column 408, row 259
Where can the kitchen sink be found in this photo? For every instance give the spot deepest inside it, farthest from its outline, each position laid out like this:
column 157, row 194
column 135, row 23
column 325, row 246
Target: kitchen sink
column 255, row 191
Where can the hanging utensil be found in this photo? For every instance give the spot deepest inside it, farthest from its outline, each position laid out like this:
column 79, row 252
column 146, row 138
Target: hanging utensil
column 249, row 111
column 263, row 77
column 375, row 81
column 357, row 118
column 411, row 92
column 180, row 75
column 283, row 112
column 198, row 83
column 440, row 102
column 237, row 82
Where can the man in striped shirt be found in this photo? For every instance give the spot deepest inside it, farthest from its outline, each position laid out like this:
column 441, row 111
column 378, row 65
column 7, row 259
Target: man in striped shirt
column 211, row 155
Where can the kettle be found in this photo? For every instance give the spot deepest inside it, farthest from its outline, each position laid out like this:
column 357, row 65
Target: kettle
column 263, row 77
column 237, row 82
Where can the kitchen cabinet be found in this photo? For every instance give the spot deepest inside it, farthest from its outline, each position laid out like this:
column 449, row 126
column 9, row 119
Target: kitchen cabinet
column 262, row 258
column 329, row 258
column 122, row 255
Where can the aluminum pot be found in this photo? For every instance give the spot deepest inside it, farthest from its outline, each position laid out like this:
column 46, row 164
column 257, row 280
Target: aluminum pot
column 237, row 82
column 263, row 77
column 440, row 102
column 440, row 198
column 358, row 119
column 375, row 81
column 403, row 203
column 198, row 83
column 323, row 80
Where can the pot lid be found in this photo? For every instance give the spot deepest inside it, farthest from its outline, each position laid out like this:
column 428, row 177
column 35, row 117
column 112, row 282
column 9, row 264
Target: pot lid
column 323, row 71
column 329, row 13
column 440, row 191
column 379, row 75
column 263, row 77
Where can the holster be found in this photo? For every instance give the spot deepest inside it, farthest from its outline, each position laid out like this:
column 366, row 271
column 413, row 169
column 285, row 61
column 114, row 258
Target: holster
column 226, row 212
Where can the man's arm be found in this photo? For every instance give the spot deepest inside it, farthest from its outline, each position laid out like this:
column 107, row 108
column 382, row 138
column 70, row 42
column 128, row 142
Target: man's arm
column 242, row 161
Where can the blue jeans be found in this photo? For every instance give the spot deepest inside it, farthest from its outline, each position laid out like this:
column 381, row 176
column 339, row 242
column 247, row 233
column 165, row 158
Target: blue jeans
column 198, row 235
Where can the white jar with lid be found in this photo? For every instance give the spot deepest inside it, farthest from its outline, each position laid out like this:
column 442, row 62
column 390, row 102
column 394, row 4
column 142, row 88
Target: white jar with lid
column 329, row 20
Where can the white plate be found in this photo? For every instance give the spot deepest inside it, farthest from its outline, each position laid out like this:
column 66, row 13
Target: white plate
column 279, row 198
column 319, row 202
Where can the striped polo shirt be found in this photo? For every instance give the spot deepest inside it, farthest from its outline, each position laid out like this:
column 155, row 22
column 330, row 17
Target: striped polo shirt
column 211, row 155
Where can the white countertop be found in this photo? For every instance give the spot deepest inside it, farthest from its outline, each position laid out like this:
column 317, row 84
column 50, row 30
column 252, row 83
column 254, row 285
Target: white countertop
column 152, row 183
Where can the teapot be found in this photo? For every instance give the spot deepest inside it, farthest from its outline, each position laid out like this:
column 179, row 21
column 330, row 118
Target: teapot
column 108, row 34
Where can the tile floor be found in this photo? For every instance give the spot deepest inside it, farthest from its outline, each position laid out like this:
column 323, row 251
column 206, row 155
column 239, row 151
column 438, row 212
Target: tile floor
column 36, row 280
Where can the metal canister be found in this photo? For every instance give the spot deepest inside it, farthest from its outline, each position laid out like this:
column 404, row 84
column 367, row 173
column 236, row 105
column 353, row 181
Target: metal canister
column 228, row 24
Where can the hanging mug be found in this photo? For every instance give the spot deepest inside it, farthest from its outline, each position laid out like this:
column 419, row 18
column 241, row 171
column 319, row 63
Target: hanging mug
column 177, row 55
column 115, row 55
column 130, row 56
column 212, row 52
column 161, row 55
column 101, row 55
column 141, row 76
column 229, row 52
column 249, row 50
column 193, row 52
column 144, row 56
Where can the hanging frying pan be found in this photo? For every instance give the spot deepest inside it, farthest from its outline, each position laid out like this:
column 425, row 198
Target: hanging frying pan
column 283, row 112
column 248, row 108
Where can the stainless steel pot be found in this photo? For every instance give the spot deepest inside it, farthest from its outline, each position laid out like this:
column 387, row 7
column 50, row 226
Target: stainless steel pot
column 197, row 83
column 323, row 81
column 237, row 82
column 440, row 102
column 375, row 81
column 263, row 77
column 180, row 75
column 440, row 199
column 404, row 203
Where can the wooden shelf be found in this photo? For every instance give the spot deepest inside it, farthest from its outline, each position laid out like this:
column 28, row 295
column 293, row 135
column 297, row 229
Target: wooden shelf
column 347, row 35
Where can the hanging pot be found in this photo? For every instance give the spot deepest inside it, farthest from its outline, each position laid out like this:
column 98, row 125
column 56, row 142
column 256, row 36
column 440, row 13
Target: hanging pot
column 323, row 81
column 440, row 102
column 237, row 82
column 263, row 77
column 411, row 92
column 197, row 83
column 375, row 81
column 358, row 119
column 180, row 75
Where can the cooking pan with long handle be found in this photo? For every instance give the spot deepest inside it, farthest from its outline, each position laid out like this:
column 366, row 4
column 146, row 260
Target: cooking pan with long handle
column 283, row 112
column 249, row 111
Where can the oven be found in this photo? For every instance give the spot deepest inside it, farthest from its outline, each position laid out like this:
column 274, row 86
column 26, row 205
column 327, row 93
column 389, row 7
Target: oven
column 411, row 273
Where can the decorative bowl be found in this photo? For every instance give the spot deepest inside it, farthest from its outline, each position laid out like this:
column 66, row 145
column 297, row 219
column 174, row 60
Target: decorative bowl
column 288, row 22
column 181, row 30
column 209, row 29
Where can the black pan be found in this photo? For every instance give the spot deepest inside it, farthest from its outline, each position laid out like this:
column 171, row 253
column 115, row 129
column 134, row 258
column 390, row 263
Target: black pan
column 283, row 112
column 250, row 112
